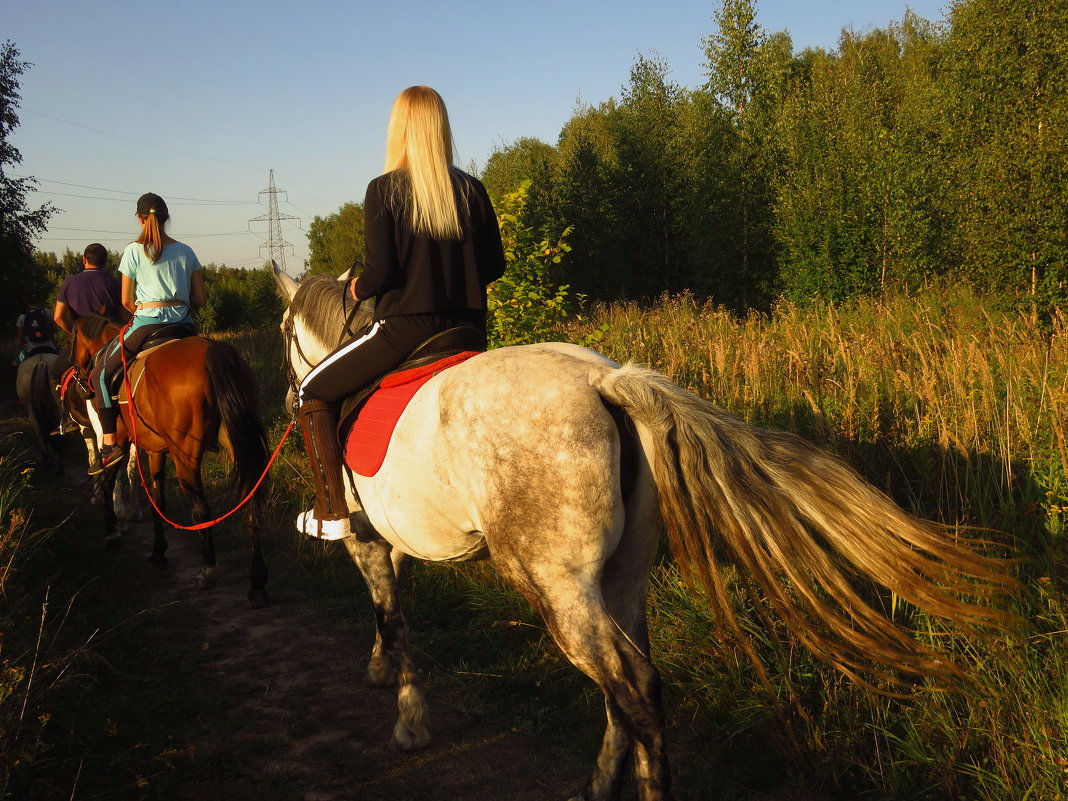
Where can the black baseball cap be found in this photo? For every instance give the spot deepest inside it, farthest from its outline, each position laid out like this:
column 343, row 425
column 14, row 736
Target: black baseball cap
column 150, row 203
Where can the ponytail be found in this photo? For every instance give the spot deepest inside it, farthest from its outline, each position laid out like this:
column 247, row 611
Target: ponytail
column 151, row 238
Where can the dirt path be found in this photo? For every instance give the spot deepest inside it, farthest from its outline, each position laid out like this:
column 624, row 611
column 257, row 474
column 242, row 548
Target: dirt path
column 193, row 695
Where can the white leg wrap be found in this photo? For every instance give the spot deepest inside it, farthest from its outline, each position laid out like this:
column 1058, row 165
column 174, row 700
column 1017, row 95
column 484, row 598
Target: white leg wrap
column 94, row 418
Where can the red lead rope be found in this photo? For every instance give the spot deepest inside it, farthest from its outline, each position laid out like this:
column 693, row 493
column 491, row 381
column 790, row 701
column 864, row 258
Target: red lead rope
column 141, row 473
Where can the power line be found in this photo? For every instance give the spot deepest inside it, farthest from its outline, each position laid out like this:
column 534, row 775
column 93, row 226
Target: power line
column 128, row 233
column 205, row 201
column 127, row 199
column 139, row 141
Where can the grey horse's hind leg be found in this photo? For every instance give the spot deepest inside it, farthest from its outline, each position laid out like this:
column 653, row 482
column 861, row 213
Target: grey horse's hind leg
column 390, row 659
column 595, row 611
column 619, row 663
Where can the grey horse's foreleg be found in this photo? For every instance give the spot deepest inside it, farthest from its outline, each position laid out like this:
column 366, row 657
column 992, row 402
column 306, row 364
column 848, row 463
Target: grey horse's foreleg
column 390, row 657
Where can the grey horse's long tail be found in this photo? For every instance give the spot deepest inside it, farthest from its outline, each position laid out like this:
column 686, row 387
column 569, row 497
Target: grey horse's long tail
column 801, row 525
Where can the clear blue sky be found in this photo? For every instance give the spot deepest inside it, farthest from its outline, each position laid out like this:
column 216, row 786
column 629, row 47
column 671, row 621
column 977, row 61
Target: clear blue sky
column 197, row 101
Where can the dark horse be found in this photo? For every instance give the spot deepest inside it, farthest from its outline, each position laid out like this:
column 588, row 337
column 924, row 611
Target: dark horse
column 33, row 385
column 189, row 396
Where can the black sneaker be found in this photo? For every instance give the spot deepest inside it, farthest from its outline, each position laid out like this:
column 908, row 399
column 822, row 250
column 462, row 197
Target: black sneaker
column 109, row 456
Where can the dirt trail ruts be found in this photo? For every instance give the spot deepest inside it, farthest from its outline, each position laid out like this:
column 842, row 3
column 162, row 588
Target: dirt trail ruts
column 290, row 715
column 296, row 686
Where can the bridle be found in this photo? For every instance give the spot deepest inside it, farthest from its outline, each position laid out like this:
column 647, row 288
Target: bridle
column 290, row 341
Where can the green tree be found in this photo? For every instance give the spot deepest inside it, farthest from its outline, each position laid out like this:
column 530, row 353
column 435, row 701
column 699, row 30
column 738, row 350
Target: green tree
column 585, row 198
column 525, row 159
column 239, row 299
column 1006, row 99
column 336, row 241
column 747, row 73
column 527, row 303
column 19, row 224
column 731, row 53
column 861, row 192
column 647, row 182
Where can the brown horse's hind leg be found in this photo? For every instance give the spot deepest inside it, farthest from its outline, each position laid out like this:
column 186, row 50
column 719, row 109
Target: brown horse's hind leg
column 372, row 555
column 157, row 463
column 188, row 470
column 112, row 536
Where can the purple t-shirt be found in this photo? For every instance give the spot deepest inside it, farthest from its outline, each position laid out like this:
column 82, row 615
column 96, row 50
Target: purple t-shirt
column 91, row 291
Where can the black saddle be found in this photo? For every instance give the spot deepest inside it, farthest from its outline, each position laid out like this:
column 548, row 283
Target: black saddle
column 41, row 349
column 160, row 336
column 167, row 333
column 440, row 346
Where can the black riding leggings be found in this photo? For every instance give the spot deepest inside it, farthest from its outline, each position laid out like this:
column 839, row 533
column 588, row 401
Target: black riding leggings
column 376, row 350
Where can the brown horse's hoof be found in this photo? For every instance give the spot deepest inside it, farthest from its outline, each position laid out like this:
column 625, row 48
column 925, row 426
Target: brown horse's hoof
column 258, row 599
column 113, row 542
column 158, row 561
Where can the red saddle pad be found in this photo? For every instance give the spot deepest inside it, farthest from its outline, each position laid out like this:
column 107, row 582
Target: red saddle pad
column 370, row 434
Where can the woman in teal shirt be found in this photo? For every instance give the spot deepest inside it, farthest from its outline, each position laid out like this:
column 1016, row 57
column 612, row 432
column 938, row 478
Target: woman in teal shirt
column 161, row 283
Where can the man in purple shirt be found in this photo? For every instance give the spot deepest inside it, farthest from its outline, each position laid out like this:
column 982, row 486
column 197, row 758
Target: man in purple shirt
column 91, row 291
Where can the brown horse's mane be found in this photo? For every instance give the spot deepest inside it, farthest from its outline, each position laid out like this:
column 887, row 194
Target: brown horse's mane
column 92, row 326
column 321, row 304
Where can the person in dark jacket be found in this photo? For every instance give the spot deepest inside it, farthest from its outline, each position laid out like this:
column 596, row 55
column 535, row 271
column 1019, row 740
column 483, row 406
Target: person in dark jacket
column 432, row 247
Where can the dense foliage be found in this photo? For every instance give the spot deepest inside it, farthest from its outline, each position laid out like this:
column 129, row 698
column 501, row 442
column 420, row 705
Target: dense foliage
column 335, row 242
column 19, row 223
column 527, row 302
column 908, row 153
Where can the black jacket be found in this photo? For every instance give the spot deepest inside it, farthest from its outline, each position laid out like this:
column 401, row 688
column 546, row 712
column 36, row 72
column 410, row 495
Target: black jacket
column 408, row 273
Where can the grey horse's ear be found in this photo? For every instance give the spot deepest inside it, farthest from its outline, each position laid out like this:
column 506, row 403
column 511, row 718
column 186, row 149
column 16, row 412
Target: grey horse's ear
column 286, row 285
column 345, row 276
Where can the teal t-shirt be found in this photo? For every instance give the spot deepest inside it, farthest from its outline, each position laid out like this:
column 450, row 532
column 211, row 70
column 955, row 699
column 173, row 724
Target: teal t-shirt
column 167, row 279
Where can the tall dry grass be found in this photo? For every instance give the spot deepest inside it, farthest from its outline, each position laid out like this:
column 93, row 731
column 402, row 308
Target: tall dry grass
column 978, row 398
column 959, row 411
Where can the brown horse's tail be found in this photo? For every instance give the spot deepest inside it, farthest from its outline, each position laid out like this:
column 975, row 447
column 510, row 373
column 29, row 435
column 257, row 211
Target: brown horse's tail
column 237, row 397
column 800, row 525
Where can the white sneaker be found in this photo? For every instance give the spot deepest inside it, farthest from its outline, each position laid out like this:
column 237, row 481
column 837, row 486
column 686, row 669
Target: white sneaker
column 332, row 529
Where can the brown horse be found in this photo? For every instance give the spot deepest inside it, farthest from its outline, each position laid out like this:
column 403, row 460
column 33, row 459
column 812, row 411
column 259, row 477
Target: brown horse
column 189, row 396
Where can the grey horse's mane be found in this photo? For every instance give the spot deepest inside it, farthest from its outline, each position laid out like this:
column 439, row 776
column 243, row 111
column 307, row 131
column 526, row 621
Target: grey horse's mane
column 321, row 304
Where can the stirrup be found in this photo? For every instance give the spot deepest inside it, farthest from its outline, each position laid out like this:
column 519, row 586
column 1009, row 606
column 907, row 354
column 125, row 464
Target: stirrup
column 105, row 460
column 309, row 524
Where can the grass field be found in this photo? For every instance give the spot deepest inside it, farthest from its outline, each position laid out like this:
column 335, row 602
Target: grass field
column 954, row 408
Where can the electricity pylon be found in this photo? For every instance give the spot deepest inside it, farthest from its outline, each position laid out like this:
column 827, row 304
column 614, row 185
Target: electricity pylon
column 275, row 243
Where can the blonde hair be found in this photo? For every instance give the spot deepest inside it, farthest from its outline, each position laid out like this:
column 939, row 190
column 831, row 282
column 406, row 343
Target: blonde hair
column 151, row 238
column 419, row 146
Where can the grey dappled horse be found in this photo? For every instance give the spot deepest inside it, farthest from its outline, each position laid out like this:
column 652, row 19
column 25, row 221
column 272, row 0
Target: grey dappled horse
column 564, row 469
